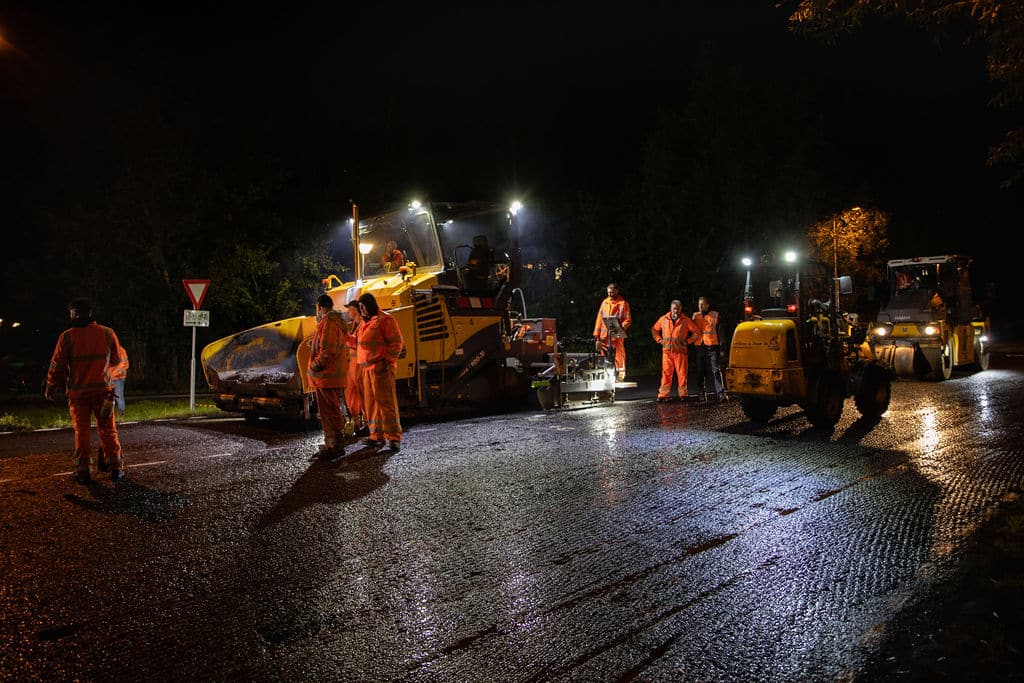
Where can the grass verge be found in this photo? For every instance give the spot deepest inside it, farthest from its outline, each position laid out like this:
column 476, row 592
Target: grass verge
column 21, row 416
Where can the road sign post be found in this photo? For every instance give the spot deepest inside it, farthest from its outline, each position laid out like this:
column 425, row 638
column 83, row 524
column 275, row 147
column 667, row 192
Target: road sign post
column 196, row 290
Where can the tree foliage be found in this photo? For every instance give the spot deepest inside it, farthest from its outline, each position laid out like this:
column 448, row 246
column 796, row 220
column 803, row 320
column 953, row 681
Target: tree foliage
column 997, row 24
column 854, row 240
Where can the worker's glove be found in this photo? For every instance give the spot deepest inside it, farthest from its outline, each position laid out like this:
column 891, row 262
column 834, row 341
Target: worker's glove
column 597, row 345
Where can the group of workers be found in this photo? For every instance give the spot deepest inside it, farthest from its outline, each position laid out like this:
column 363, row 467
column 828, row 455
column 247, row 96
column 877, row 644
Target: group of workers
column 677, row 334
column 352, row 363
column 351, row 370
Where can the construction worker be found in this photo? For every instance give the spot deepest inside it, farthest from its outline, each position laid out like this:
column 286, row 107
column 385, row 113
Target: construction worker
column 614, row 306
column 86, row 359
column 673, row 332
column 379, row 345
column 354, row 388
column 707, row 378
column 393, row 257
column 118, row 375
column 328, row 373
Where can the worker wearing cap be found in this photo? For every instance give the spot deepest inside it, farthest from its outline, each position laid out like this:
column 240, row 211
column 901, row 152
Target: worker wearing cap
column 85, row 361
column 328, row 372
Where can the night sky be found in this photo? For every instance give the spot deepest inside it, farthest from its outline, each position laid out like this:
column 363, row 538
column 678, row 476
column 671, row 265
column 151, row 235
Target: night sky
column 382, row 102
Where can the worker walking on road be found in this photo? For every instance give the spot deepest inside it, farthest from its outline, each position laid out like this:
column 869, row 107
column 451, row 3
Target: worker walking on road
column 328, row 373
column 707, row 376
column 380, row 344
column 614, row 306
column 674, row 331
column 85, row 361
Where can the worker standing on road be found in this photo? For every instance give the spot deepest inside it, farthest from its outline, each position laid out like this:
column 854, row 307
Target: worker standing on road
column 380, row 344
column 328, row 373
column 86, row 359
column 707, row 378
column 118, row 375
column 614, row 306
column 354, row 388
column 674, row 331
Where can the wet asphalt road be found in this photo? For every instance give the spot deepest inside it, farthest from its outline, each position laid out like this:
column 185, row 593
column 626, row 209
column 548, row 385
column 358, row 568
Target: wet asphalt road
column 629, row 541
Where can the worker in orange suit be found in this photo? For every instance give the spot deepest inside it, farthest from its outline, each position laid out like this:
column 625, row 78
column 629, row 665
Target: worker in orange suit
column 85, row 361
column 393, row 257
column 327, row 373
column 118, row 375
column 379, row 346
column 674, row 331
column 617, row 307
column 354, row 388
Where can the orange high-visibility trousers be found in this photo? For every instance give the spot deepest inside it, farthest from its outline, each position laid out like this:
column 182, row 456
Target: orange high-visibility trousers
column 380, row 403
column 354, row 389
column 83, row 409
column 620, row 355
column 673, row 363
column 332, row 415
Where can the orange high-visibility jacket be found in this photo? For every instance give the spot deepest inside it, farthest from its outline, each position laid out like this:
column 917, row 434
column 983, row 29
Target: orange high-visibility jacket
column 328, row 367
column 380, row 341
column 708, row 326
column 616, row 307
column 87, row 360
column 674, row 335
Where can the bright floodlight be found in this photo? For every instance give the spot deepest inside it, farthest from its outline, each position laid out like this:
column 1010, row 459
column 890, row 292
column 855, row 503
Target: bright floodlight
column 790, row 256
column 747, row 261
column 515, row 208
column 365, row 248
column 414, row 204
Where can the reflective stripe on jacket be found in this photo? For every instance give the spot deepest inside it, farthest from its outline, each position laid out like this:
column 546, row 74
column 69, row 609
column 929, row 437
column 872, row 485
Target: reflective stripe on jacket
column 677, row 333
column 328, row 367
column 380, row 341
column 708, row 326
column 87, row 360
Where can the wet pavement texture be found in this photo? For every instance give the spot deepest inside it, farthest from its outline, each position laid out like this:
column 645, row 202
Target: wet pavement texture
column 631, row 541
